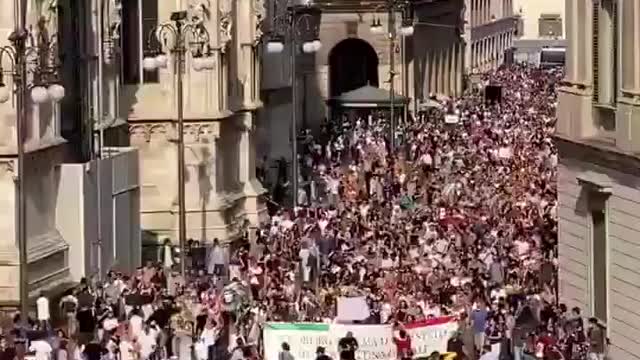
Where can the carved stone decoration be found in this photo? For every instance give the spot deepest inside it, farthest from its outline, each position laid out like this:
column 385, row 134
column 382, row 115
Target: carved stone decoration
column 9, row 168
column 143, row 130
column 115, row 18
column 258, row 12
column 199, row 11
column 226, row 23
column 49, row 13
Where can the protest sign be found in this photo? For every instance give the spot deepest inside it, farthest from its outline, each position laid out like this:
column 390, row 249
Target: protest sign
column 353, row 309
column 375, row 341
column 451, row 119
column 431, row 335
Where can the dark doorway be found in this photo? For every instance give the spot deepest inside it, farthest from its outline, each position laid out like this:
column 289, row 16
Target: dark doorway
column 353, row 63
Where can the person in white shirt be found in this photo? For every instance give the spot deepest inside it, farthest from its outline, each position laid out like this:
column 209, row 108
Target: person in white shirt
column 42, row 349
column 126, row 350
column 148, row 343
column 135, row 324
column 217, row 259
column 304, row 262
column 42, row 307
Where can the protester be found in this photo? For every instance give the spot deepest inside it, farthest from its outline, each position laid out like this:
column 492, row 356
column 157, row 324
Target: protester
column 347, row 347
column 458, row 220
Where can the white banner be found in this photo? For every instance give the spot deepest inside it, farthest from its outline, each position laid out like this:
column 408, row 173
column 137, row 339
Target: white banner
column 375, row 341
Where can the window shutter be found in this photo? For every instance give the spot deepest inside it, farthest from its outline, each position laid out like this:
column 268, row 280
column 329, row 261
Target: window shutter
column 594, row 37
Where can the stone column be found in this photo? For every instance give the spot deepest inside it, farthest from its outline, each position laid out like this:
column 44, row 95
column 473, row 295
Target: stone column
column 9, row 265
column 630, row 45
column 447, row 70
column 433, row 71
column 571, row 28
column 628, row 114
column 254, row 208
column 452, row 69
column 460, row 68
column 426, row 84
column 441, row 60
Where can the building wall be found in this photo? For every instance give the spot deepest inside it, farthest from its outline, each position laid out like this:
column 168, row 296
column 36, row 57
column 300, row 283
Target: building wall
column 576, row 178
column 456, row 38
column 530, row 12
column 439, row 49
column 598, row 144
column 47, row 250
column 120, row 235
column 493, row 30
column 219, row 111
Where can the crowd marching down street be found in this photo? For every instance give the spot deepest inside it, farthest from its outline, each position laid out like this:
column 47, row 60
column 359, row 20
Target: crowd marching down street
column 444, row 247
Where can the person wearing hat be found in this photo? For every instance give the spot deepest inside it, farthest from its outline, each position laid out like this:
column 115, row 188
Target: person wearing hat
column 320, row 354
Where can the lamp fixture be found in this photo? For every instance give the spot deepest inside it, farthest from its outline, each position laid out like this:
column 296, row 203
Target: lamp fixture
column 407, row 27
column 275, row 45
column 376, row 27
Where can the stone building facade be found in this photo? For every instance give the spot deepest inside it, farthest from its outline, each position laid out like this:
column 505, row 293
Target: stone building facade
column 598, row 140
column 542, row 19
column 64, row 186
column 220, row 107
column 451, row 39
column 456, row 38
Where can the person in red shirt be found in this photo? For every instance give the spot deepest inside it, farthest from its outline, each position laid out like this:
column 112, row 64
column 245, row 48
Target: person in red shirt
column 403, row 345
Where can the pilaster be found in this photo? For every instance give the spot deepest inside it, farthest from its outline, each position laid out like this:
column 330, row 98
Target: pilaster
column 630, row 47
column 252, row 189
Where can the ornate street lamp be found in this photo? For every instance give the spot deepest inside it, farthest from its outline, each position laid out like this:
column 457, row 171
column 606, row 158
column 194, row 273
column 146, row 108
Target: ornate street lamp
column 298, row 22
column 406, row 29
column 180, row 37
column 34, row 71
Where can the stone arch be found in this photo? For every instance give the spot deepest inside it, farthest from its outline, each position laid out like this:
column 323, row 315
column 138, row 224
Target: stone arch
column 353, row 63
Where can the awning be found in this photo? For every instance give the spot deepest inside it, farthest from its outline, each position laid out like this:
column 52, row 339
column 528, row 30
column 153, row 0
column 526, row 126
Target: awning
column 369, row 97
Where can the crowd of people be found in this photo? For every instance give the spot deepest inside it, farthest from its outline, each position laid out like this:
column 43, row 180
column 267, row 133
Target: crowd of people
column 459, row 219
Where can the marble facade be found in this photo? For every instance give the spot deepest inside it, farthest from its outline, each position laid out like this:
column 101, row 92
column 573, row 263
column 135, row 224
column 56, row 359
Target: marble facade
column 220, row 107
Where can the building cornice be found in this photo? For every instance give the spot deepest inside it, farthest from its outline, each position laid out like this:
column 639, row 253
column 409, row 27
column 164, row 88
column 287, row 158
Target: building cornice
column 598, row 153
column 504, row 24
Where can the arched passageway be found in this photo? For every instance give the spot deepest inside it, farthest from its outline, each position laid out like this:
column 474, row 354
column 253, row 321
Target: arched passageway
column 353, row 63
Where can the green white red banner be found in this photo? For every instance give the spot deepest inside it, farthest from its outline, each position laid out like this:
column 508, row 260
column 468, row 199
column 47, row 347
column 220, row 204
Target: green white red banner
column 375, row 341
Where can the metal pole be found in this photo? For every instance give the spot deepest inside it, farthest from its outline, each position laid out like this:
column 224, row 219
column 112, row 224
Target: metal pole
column 392, row 73
column 99, row 106
column 182, row 236
column 18, row 39
column 405, row 77
column 294, row 112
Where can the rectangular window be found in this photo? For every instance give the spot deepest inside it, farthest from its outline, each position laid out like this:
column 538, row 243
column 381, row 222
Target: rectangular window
column 605, row 52
column 550, row 26
column 599, row 256
column 255, row 74
column 139, row 18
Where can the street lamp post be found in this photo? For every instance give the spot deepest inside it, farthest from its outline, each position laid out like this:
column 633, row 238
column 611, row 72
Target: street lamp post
column 299, row 22
column 180, row 36
column 39, row 62
column 405, row 30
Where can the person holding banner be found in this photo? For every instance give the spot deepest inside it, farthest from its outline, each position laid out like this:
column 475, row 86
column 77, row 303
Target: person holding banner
column 404, row 350
column 347, row 347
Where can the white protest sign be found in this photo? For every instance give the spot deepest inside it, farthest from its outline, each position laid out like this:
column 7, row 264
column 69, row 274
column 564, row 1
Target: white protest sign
column 504, row 152
column 451, row 119
column 375, row 341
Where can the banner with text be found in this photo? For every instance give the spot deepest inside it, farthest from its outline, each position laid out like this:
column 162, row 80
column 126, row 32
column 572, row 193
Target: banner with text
column 375, row 341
